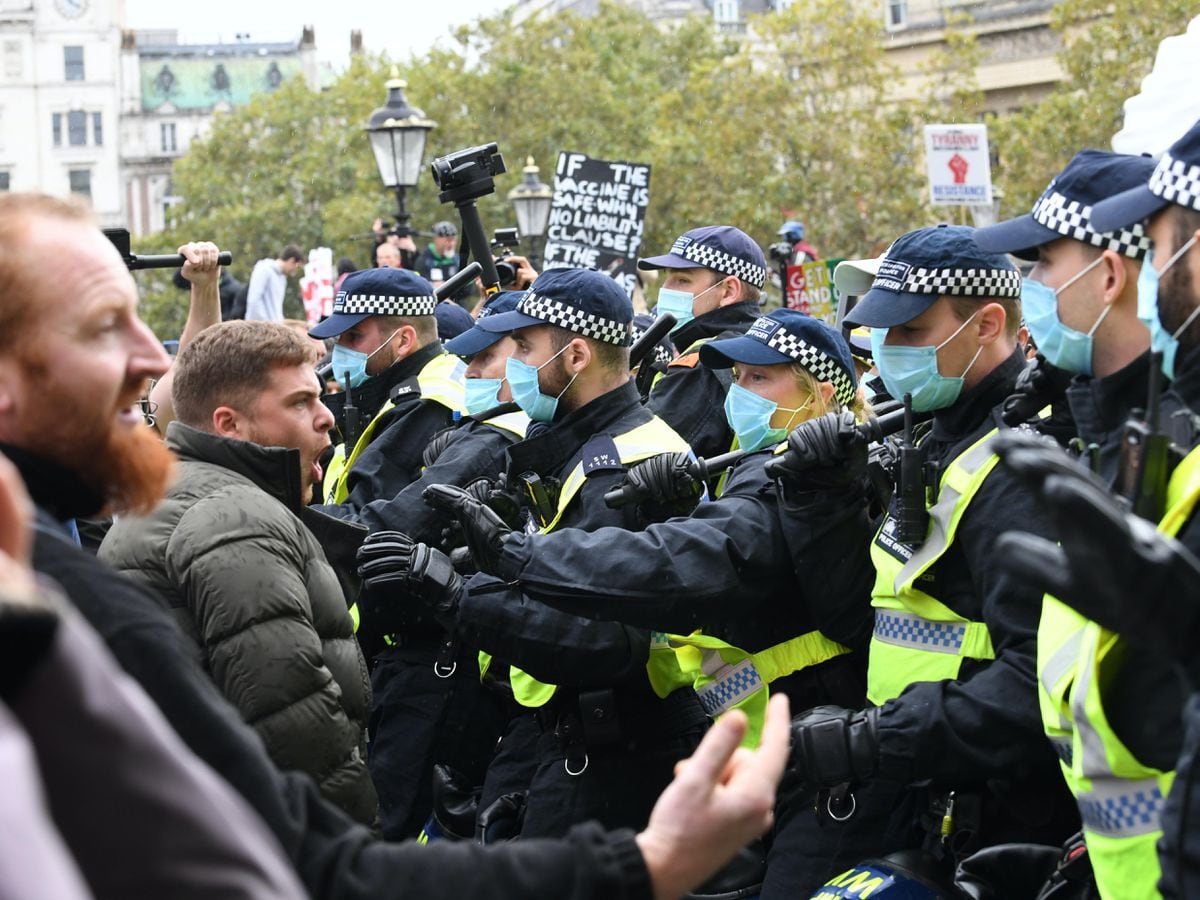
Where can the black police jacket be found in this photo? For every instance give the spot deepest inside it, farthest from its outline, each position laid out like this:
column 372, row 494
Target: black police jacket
column 334, row 857
column 392, row 461
column 553, row 646
column 986, row 724
column 690, row 397
column 726, row 568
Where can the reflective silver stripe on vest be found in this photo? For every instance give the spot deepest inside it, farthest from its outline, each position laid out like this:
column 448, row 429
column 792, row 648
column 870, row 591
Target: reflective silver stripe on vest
column 1120, row 808
column 940, row 515
column 1062, row 661
column 1114, row 806
column 730, row 686
column 904, row 629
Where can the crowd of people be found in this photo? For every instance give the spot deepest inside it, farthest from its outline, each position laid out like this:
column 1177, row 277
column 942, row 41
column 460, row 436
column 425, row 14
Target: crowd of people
column 534, row 606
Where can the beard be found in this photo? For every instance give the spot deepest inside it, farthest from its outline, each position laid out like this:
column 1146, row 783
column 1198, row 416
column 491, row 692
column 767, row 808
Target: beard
column 558, row 383
column 1177, row 301
column 129, row 467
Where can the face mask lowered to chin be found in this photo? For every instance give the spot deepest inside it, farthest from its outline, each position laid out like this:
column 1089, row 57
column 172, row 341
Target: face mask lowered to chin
column 914, row 370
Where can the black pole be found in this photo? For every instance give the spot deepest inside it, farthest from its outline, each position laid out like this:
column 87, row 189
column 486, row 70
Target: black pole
column 402, row 213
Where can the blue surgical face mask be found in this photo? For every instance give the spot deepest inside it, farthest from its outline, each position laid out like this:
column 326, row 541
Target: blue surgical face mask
column 1161, row 340
column 1063, row 347
column 749, row 415
column 914, row 370
column 680, row 304
column 354, row 362
column 482, row 394
column 527, row 391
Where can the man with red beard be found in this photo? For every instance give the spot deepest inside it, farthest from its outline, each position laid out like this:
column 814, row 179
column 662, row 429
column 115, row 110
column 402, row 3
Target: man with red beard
column 95, row 356
column 228, row 551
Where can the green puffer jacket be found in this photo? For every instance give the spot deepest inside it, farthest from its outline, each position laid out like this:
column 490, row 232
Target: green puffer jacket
column 250, row 585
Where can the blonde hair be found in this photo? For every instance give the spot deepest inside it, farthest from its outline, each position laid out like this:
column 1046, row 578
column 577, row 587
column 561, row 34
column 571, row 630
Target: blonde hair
column 807, row 380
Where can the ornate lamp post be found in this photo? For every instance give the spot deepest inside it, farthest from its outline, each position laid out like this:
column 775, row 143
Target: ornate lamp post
column 531, row 199
column 398, row 133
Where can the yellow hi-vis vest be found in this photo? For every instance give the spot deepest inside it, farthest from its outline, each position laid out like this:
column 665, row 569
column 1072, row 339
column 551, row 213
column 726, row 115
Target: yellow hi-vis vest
column 440, row 380
column 646, row 440
column 917, row 638
column 1120, row 798
column 726, row 677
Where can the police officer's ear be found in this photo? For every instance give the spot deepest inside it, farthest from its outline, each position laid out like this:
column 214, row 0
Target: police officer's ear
column 404, row 341
column 993, row 323
column 1116, row 274
column 578, row 355
column 729, row 292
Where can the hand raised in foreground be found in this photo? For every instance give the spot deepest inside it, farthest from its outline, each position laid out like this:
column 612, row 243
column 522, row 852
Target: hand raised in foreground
column 722, row 797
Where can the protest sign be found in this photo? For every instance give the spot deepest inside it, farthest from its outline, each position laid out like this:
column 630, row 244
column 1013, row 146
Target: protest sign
column 960, row 170
column 810, row 289
column 598, row 215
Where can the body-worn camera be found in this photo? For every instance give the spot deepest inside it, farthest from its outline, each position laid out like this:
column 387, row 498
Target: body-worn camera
column 780, row 252
column 467, row 174
column 505, row 242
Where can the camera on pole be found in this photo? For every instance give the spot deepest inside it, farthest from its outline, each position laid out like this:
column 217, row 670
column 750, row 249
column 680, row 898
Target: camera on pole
column 463, row 177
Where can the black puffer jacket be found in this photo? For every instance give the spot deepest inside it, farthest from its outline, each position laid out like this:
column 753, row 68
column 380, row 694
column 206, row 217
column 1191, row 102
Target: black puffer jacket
column 250, row 585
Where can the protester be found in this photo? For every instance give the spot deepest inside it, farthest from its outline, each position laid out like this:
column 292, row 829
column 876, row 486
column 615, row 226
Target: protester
column 268, row 281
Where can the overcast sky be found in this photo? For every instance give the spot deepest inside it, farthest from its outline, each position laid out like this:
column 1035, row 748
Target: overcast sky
column 401, row 28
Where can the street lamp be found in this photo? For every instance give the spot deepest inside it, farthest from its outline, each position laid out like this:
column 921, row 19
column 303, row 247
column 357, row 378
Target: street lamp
column 398, row 133
column 531, row 199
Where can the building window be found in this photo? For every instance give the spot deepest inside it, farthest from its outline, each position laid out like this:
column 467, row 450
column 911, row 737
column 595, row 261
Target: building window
column 895, row 13
column 81, row 182
column 73, row 63
column 56, row 128
column 97, row 130
column 77, row 128
column 167, row 133
column 13, row 68
column 4, row 180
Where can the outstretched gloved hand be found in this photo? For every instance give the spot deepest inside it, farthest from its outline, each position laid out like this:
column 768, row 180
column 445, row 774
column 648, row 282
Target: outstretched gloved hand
column 392, row 562
column 482, row 526
column 831, row 443
column 662, row 486
column 1110, row 565
column 832, row 745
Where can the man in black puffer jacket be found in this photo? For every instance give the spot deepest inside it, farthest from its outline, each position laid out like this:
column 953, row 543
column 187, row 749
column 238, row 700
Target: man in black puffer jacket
column 244, row 576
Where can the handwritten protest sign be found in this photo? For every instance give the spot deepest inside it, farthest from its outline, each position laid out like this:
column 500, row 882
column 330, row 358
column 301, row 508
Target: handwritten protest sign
column 598, row 215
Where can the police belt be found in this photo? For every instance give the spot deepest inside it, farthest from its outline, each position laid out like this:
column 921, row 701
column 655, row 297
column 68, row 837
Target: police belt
column 586, row 720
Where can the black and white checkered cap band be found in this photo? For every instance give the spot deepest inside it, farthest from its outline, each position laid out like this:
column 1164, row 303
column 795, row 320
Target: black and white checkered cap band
column 720, row 261
column 1073, row 219
column 553, row 312
column 385, row 305
column 963, row 282
column 822, row 366
column 1175, row 180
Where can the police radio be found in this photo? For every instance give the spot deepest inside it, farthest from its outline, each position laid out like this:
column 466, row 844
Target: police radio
column 1145, row 455
column 911, row 514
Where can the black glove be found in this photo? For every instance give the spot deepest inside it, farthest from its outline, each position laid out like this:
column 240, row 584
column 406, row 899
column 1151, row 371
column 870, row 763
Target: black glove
column 482, row 526
column 832, row 746
column 1112, row 566
column 391, row 562
column 437, row 445
column 829, row 450
column 661, row 486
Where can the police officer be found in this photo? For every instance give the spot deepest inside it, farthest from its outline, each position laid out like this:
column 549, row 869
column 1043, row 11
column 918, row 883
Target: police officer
column 606, row 741
column 727, row 568
column 951, row 753
column 458, row 722
column 395, row 373
column 1169, row 205
column 714, row 278
column 1081, row 304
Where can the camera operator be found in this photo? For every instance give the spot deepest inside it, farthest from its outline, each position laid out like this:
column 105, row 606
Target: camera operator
column 400, row 238
column 802, row 251
column 439, row 260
